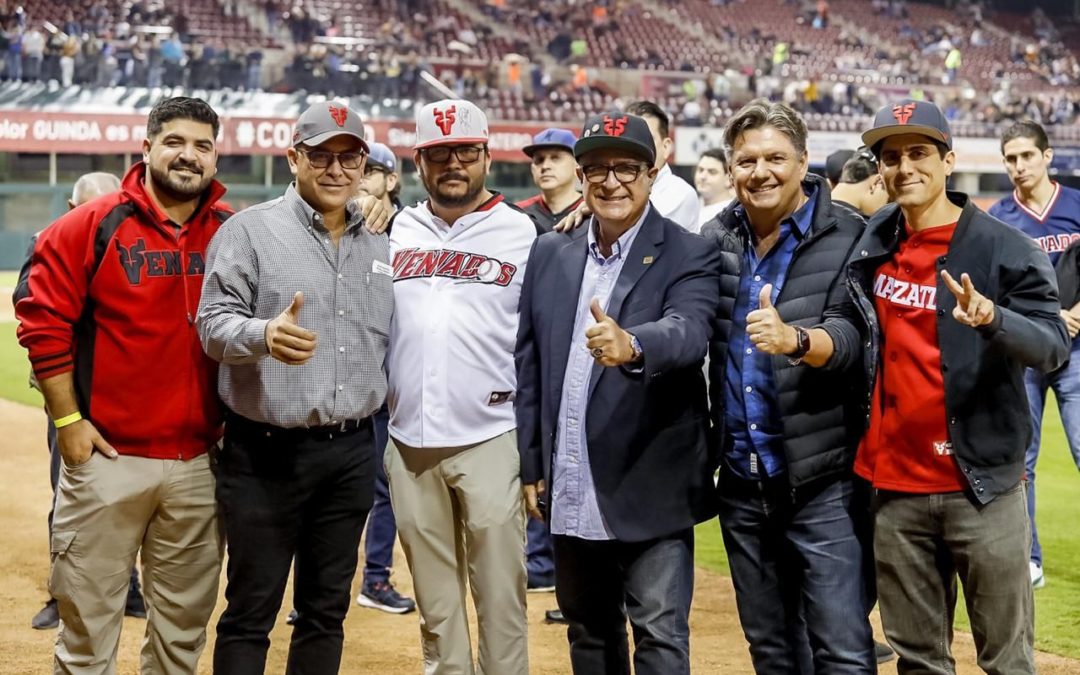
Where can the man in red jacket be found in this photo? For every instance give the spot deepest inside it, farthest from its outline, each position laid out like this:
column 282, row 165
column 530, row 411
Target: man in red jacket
column 108, row 321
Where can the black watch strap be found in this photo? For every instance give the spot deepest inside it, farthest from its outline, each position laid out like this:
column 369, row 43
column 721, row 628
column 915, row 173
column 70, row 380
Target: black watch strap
column 803, row 336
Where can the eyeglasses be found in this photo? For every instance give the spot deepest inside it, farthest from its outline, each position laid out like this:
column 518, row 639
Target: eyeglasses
column 440, row 154
column 320, row 159
column 624, row 173
column 371, row 169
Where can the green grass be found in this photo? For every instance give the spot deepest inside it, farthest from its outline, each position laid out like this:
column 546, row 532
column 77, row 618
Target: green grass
column 1057, row 606
column 14, row 368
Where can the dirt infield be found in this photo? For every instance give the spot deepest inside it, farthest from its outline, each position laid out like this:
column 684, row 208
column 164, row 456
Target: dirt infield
column 374, row 642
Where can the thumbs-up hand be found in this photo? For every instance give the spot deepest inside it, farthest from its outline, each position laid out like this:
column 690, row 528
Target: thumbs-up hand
column 972, row 307
column 767, row 330
column 286, row 340
column 609, row 344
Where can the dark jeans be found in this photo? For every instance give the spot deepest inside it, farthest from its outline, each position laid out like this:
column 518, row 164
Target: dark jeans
column 598, row 584
column 539, row 559
column 381, row 525
column 923, row 543
column 285, row 493
column 797, row 563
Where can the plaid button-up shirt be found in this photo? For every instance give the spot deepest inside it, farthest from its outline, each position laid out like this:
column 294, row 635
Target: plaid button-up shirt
column 258, row 260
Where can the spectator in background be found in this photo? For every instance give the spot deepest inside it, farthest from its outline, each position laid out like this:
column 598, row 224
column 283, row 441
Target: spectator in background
column 713, row 184
column 672, row 196
column 33, row 47
column 861, row 186
column 554, row 171
column 834, row 166
column 1049, row 213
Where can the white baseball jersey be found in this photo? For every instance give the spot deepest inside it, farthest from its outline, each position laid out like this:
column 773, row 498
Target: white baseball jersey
column 456, row 290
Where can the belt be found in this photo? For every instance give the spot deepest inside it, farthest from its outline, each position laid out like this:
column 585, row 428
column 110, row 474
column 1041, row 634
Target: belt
column 244, row 426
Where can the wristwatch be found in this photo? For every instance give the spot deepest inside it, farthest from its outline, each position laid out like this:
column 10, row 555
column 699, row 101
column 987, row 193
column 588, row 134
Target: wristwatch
column 803, row 337
column 635, row 347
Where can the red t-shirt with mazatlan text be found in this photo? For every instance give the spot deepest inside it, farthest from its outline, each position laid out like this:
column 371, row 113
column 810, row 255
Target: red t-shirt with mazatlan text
column 907, row 446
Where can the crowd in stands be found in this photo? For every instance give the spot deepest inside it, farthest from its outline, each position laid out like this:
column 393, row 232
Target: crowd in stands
column 542, row 59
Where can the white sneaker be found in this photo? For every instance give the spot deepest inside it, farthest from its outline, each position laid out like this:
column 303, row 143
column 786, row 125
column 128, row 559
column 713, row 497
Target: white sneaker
column 1037, row 578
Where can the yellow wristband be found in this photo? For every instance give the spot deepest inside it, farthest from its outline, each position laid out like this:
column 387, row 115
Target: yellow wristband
column 68, row 419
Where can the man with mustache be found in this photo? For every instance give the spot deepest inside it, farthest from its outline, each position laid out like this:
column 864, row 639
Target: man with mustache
column 459, row 259
column 108, row 320
column 1049, row 213
column 296, row 306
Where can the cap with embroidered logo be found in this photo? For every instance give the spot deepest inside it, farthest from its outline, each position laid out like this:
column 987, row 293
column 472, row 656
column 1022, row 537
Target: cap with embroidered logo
column 551, row 138
column 324, row 121
column 383, row 157
column 617, row 130
column 908, row 117
column 450, row 122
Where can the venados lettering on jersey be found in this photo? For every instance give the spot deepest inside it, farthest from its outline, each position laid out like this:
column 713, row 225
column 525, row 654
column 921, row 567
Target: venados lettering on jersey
column 412, row 263
column 905, row 293
column 1053, row 243
column 138, row 263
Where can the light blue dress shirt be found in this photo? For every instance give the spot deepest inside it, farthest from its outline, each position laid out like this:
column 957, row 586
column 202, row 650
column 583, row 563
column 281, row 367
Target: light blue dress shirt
column 575, row 511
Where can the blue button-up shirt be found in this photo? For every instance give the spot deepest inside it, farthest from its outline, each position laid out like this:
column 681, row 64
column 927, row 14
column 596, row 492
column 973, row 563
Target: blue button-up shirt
column 575, row 511
column 751, row 410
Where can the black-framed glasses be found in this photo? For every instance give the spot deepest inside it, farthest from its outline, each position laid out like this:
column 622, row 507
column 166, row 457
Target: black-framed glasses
column 320, row 159
column 371, row 169
column 440, row 154
column 624, row 173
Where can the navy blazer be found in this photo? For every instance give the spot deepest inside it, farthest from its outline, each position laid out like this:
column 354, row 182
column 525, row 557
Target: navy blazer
column 650, row 447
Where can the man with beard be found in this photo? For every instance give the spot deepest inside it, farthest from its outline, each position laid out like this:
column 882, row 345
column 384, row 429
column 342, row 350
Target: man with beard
column 459, row 260
column 296, row 306
column 108, row 320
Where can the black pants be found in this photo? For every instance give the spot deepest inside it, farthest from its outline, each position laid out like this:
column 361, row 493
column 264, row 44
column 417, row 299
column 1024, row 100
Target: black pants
column 285, row 493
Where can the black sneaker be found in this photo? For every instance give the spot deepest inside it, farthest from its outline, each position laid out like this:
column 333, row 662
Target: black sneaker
column 291, row 619
column 48, row 617
column 555, row 616
column 382, row 595
column 135, row 606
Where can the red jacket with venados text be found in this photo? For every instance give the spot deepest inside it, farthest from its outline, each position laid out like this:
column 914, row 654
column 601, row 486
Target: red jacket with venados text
column 112, row 291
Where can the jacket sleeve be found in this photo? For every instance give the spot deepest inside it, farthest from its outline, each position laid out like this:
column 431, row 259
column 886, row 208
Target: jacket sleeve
column 529, row 386
column 681, row 337
column 1027, row 321
column 225, row 322
column 54, row 294
column 845, row 327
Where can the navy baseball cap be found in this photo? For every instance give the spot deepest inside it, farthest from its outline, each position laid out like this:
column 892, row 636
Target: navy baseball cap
column 908, row 117
column 383, row 157
column 551, row 138
column 617, row 130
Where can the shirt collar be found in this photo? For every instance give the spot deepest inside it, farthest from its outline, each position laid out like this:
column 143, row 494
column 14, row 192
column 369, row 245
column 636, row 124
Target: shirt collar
column 621, row 245
column 312, row 218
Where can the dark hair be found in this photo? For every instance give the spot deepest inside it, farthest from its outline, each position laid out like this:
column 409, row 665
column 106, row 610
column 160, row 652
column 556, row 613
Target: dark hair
column 180, row 108
column 650, row 109
column 1026, row 129
column 861, row 166
column 762, row 112
column 717, row 154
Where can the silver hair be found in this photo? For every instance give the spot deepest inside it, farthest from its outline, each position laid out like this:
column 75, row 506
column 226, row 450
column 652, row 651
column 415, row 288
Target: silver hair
column 93, row 185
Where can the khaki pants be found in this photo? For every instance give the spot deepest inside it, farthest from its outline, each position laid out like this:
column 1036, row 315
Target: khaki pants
column 106, row 510
column 460, row 512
